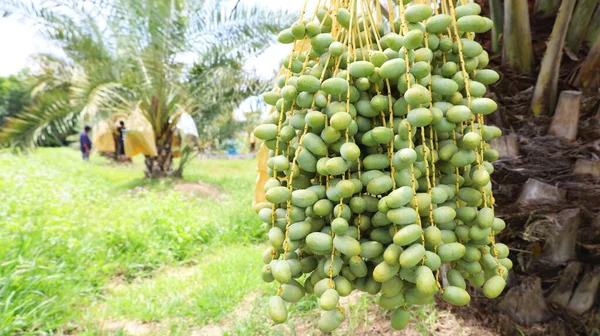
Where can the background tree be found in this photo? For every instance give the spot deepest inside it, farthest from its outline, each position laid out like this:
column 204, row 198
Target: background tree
column 44, row 117
column 126, row 56
column 215, row 118
column 13, row 94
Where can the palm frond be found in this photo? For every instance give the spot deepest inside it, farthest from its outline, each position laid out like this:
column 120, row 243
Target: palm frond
column 224, row 85
column 245, row 30
column 122, row 55
column 101, row 101
column 50, row 120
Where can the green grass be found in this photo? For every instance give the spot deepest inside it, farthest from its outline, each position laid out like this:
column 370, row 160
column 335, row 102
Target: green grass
column 68, row 227
column 203, row 293
column 94, row 248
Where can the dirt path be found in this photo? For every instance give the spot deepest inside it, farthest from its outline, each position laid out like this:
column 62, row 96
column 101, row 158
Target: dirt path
column 364, row 318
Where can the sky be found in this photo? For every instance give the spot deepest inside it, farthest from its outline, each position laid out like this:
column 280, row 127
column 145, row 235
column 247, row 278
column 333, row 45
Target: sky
column 19, row 41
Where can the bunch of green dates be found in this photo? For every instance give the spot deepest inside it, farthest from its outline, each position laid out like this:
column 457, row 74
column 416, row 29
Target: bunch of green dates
column 381, row 165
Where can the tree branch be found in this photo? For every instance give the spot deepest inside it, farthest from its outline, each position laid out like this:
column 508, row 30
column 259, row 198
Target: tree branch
column 234, row 8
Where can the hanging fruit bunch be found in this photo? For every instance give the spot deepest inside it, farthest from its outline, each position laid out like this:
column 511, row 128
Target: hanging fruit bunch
column 379, row 161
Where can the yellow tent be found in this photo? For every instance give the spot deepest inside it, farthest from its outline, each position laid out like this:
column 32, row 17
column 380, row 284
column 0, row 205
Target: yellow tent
column 103, row 131
column 263, row 177
column 103, row 137
column 176, row 145
column 139, row 138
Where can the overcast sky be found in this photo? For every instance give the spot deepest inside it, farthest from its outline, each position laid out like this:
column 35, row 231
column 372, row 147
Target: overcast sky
column 20, row 40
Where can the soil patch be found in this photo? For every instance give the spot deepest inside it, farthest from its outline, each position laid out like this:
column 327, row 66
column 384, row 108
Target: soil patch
column 187, row 188
column 435, row 320
column 131, row 327
column 198, row 189
column 209, row 330
column 360, row 321
column 179, row 272
column 116, row 284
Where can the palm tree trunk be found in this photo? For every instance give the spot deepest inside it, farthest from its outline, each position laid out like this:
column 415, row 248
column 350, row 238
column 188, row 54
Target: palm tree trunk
column 546, row 8
column 544, row 96
column 496, row 16
column 590, row 66
column 594, row 28
column 517, row 51
column 580, row 23
column 161, row 165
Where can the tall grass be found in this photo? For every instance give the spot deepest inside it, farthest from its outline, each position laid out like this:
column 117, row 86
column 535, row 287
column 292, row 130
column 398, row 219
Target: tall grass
column 68, row 227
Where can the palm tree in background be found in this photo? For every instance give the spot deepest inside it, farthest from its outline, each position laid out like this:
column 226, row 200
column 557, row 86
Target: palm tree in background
column 127, row 56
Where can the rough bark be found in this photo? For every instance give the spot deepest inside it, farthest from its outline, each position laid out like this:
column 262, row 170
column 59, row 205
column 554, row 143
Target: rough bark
column 579, row 23
column 160, row 166
column 517, row 51
column 596, row 223
column 562, row 292
column 544, row 95
column 566, row 117
column 537, row 192
column 562, row 239
column 525, row 303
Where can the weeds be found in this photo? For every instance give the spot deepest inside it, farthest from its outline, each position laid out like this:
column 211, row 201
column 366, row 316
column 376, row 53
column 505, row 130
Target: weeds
column 68, row 227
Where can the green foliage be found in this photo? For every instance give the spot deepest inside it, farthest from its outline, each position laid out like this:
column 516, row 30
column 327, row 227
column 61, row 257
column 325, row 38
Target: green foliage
column 45, row 117
column 124, row 55
column 214, row 119
column 84, row 244
column 13, row 95
column 205, row 291
column 18, row 108
column 68, row 227
column 223, row 127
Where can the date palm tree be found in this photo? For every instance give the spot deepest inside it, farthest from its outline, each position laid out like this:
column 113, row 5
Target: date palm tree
column 124, row 56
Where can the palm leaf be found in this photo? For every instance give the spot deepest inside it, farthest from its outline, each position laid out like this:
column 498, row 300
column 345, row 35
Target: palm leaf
column 49, row 120
column 122, row 55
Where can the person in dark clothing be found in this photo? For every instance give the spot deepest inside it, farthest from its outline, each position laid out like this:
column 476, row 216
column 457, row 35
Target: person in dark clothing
column 121, row 134
column 85, row 144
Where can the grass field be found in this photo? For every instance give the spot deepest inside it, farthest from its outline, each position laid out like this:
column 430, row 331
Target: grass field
column 69, row 230
column 94, row 249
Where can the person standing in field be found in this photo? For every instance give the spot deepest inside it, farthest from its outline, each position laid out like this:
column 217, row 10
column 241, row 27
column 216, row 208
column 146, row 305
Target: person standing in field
column 121, row 136
column 85, row 144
